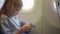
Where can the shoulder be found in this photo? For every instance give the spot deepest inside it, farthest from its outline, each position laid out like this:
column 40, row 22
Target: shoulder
column 6, row 17
column 3, row 17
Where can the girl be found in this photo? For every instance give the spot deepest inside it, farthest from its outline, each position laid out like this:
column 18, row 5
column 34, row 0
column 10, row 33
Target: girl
column 9, row 20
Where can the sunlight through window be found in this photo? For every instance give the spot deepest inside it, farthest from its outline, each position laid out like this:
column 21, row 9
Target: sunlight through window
column 54, row 4
column 28, row 4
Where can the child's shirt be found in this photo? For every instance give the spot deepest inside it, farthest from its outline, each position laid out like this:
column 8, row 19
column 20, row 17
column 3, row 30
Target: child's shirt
column 10, row 25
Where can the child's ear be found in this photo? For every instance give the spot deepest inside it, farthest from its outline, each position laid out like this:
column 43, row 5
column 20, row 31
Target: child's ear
column 1, row 3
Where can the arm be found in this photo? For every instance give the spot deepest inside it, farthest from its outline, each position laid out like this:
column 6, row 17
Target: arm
column 4, row 25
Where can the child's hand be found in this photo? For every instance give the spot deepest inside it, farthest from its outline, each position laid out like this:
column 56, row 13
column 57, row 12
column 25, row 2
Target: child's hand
column 26, row 27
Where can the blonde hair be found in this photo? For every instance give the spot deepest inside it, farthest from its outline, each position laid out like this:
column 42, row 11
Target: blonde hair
column 9, row 5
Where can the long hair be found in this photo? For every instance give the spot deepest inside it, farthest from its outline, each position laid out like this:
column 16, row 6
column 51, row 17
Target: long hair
column 11, row 5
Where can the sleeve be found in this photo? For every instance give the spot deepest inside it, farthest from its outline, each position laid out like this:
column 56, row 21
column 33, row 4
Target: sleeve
column 4, row 25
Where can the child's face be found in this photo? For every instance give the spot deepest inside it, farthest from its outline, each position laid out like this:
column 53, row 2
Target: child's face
column 12, row 8
column 12, row 13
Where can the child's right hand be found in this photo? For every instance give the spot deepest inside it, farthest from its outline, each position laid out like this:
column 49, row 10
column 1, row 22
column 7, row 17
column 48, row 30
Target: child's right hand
column 26, row 27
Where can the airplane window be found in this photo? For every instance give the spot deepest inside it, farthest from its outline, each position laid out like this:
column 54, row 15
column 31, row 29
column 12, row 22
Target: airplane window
column 27, row 4
column 54, row 4
column 1, row 3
